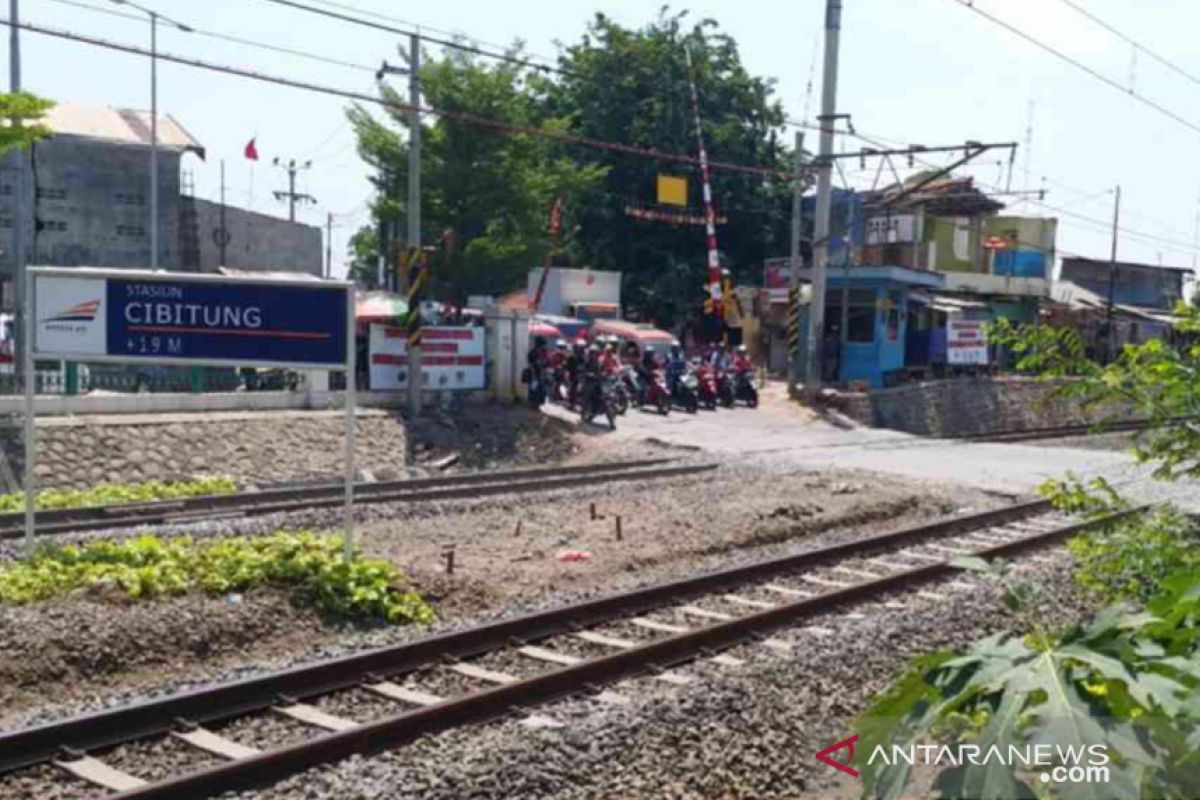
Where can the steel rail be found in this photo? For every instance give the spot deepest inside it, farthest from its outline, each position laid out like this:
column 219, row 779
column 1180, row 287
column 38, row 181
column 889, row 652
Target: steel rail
column 223, row 701
column 1067, row 431
column 374, row 737
column 55, row 521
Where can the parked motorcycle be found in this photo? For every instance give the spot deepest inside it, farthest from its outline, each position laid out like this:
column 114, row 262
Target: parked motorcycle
column 744, row 390
column 725, row 390
column 687, row 392
column 707, row 386
column 600, row 399
column 656, row 394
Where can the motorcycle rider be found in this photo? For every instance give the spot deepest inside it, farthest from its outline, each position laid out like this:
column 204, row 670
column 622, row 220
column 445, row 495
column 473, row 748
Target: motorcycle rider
column 538, row 361
column 609, row 361
column 741, row 362
column 574, row 366
column 676, row 365
column 646, row 369
column 592, row 378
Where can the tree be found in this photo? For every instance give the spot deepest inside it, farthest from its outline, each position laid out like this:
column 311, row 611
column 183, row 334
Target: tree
column 494, row 189
column 24, row 113
column 632, row 86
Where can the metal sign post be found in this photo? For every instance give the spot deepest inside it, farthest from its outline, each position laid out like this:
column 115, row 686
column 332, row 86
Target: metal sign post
column 185, row 319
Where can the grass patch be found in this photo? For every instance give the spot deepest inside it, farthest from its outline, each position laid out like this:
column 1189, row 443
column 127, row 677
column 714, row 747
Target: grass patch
column 147, row 567
column 109, row 493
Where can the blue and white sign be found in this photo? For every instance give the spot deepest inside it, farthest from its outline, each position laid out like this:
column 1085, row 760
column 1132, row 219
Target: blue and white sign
column 163, row 317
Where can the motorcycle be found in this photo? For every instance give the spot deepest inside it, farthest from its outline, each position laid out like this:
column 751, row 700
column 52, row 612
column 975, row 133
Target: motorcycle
column 656, row 394
column 725, row 390
column 707, row 383
column 560, row 386
column 687, row 392
column 538, row 387
column 600, row 399
column 743, row 389
column 627, row 389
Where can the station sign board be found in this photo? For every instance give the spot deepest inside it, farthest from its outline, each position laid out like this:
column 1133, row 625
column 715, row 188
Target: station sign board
column 176, row 318
column 452, row 357
column 966, row 342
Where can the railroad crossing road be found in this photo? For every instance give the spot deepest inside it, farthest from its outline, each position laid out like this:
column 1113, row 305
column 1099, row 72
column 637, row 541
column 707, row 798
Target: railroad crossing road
column 786, row 433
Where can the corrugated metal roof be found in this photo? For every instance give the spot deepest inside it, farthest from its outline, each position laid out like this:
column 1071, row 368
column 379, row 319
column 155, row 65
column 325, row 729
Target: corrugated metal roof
column 124, row 125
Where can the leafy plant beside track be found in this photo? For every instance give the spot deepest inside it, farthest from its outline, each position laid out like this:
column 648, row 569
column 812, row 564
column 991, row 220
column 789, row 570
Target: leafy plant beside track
column 148, row 567
column 109, row 493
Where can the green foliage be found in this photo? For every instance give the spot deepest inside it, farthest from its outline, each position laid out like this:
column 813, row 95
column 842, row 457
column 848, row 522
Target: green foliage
column 1096, row 498
column 1127, row 681
column 23, row 113
column 147, row 567
column 109, row 493
column 1158, row 381
column 1128, row 561
column 621, row 85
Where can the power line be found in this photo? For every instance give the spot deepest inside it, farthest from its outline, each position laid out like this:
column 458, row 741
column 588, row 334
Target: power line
column 1166, row 62
column 524, row 62
column 112, row 12
column 1128, row 91
column 420, row 26
column 463, row 117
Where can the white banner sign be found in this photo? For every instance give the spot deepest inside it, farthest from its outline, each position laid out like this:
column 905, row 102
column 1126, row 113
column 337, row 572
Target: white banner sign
column 895, row 229
column 451, row 357
column 965, row 342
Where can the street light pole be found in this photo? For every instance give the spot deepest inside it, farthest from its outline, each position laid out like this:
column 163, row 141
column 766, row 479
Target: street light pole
column 154, row 17
column 19, row 208
column 153, row 140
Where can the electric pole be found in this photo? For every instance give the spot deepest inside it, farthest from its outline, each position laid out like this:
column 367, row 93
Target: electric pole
column 19, row 208
column 1111, row 337
column 291, row 196
column 793, row 311
column 414, row 205
column 816, row 309
column 328, row 244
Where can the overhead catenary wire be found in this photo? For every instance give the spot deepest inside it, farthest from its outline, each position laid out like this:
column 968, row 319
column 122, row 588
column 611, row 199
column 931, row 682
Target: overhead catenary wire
column 388, row 28
column 1166, row 62
column 1100, row 76
column 238, row 40
column 466, row 118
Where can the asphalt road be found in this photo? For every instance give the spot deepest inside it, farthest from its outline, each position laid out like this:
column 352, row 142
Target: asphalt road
column 788, row 434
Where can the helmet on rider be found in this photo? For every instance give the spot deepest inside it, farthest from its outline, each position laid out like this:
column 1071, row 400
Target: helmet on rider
column 539, row 341
column 648, row 349
column 560, row 344
column 741, row 348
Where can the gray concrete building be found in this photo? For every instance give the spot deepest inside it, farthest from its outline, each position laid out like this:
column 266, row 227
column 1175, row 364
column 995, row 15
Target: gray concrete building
column 89, row 186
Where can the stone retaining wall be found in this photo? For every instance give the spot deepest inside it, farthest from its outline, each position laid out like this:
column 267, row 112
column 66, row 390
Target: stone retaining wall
column 964, row 406
column 253, row 448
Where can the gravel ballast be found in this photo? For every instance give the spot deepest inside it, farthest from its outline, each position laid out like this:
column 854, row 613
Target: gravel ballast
column 737, row 733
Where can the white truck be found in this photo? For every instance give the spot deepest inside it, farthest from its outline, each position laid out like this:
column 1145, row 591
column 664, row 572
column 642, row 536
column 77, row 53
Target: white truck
column 585, row 294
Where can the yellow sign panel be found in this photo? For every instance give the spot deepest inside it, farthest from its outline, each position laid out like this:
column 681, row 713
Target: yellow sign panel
column 672, row 190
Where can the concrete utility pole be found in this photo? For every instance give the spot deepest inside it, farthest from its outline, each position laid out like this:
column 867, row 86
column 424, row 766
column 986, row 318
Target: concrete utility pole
column 18, row 256
column 414, row 203
column 291, row 195
column 154, row 18
column 1110, row 344
column 793, row 312
column 816, row 309
column 328, row 244
column 222, row 234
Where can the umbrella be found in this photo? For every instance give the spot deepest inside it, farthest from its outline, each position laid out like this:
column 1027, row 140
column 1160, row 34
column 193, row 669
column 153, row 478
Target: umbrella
column 545, row 330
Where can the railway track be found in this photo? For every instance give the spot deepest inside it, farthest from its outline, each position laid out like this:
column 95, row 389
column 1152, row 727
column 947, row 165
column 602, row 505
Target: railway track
column 393, row 694
column 1065, row 431
column 246, row 504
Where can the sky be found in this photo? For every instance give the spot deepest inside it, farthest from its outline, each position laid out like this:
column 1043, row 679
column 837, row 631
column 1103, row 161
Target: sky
column 929, row 72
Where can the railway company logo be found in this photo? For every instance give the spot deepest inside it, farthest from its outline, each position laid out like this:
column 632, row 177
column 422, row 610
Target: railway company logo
column 80, row 312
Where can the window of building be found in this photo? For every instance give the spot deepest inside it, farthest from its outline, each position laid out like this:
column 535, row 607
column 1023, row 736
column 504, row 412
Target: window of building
column 51, row 194
column 860, row 314
column 5, row 222
column 893, row 316
column 6, row 189
column 132, row 231
column 130, row 199
column 53, row 225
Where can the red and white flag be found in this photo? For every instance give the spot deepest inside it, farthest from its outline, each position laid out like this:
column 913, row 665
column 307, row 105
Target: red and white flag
column 251, row 150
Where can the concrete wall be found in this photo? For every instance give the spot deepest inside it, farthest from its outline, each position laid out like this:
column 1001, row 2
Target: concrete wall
column 251, row 447
column 257, row 241
column 961, row 407
column 93, row 205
